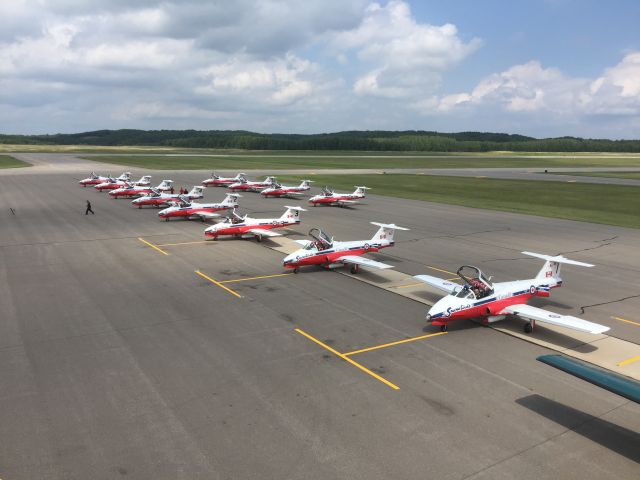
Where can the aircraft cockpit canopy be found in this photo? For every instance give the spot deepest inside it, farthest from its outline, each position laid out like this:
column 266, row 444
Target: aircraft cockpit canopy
column 475, row 281
column 322, row 241
column 233, row 218
column 326, row 191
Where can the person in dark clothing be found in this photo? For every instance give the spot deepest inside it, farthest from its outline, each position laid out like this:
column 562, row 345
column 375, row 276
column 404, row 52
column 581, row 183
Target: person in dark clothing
column 171, row 190
column 89, row 209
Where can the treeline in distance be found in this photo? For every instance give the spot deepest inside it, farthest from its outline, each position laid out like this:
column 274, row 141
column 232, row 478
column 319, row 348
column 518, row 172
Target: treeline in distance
column 412, row 140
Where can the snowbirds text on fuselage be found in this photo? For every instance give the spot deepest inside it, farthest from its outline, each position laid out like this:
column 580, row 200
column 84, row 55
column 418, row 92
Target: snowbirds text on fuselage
column 247, row 227
column 218, row 181
column 277, row 190
column 183, row 208
column 95, row 179
column 245, row 185
column 133, row 190
column 157, row 198
column 329, row 197
column 479, row 298
column 325, row 251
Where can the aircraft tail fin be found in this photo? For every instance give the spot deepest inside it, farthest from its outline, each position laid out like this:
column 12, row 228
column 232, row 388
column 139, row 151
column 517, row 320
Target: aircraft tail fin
column 361, row 191
column 386, row 232
column 550, row 271
column 231, row 200
column 306, row 184
column 292, row 213
column 196, row 192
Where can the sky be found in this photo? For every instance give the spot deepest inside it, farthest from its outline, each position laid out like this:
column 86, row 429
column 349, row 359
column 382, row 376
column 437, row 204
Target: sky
column 544, row 68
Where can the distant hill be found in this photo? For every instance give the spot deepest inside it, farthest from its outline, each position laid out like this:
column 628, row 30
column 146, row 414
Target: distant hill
column 409, row 140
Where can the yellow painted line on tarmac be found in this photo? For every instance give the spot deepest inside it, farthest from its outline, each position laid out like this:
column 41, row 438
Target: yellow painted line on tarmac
column 628, row 361
column 347, row 359
column 215, row 282
column 441, row 270
column 627, row 321
column 481, row 176
column 153, row 246
column 571, row 181
column 385, row 345
column 182, row 243
column 255, row 278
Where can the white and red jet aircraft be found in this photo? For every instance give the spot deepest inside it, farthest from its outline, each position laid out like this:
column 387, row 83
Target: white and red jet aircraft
column 323, row 250
column 120, row 182
column 218, row 181
column 247, row 227
column 185, row 209
column 329, row 197
column 131, row 191
column 157, row 198
column 95, row 179
column 477, row 297
column 277, row 190
column 111, row 184
column 247, row 186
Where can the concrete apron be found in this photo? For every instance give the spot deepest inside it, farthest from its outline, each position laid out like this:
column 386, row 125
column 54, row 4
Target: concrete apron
column 601, row 350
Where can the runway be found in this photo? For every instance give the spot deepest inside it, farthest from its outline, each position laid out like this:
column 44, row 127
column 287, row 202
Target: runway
column 118, row 359
column 59, row 162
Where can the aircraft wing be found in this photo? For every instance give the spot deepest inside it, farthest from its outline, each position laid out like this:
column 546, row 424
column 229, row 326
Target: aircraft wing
column 207, row 215
column 261, row 232
column 439, row 283
column 540, row 315
column 365, row 262
column 304, row 243
column 346, row 202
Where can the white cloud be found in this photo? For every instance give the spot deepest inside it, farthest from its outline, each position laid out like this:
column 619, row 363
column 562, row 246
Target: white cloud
column 408, row 57
column 277, row 82
column 531, row 88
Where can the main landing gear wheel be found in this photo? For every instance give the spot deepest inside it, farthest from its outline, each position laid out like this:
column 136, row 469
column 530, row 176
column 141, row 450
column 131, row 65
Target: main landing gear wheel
column 528, row 328
column 258, row 238
column 443, row 328
column 355, row 269
column 296, row 270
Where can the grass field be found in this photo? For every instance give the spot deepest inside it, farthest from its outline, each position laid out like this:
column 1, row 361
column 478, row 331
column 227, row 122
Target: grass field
column 7, row 161
column 606, row 204
column 317, row 160
column 629, row 175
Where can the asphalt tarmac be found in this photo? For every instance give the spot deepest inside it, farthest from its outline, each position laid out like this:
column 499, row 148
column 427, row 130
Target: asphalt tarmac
column 120, row 361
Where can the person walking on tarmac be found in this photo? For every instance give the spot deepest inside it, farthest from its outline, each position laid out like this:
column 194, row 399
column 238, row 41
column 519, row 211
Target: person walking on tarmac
column 89, row 209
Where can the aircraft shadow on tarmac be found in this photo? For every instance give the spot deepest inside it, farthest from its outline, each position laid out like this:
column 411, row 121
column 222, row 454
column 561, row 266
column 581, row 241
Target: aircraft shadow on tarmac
column 610, row 435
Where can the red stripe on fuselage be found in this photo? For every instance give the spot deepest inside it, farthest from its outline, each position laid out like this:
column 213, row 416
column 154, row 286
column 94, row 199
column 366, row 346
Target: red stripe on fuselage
column 481, row 310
